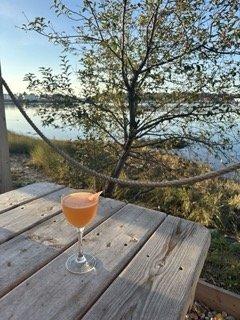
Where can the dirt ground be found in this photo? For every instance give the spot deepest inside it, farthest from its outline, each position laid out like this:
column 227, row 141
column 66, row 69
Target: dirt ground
column 23, row 172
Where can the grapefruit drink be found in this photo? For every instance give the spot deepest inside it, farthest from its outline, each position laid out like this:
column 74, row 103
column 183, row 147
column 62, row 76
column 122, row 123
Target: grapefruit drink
column 80, row 209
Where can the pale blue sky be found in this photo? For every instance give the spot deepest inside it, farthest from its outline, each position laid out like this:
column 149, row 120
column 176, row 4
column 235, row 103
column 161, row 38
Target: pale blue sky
column 22, row 52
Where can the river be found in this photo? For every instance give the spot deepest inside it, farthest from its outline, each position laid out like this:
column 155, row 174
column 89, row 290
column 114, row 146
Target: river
column 16, row 123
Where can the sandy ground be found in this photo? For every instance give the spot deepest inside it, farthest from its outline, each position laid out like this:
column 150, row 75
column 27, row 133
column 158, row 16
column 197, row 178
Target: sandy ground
column 23, row 173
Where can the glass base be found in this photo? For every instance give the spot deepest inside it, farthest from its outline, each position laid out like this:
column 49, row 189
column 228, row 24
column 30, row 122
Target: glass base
column 87, row 264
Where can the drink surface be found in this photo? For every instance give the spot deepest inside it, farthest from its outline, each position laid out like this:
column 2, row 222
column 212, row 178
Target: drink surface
column 80, row 208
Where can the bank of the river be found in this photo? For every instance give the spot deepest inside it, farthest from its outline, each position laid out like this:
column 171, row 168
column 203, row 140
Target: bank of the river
column 215, row 204
column 16, row 123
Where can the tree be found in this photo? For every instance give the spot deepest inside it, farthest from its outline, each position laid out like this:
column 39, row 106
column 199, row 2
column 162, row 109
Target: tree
column 148, row 71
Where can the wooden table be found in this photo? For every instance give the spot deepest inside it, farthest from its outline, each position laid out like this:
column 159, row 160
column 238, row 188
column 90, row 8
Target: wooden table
column 148, row 262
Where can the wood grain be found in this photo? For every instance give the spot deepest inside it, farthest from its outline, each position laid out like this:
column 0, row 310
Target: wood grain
column 14, row 198
column 54, row 293
column 218, row 298
column 21, row 218
column 28, row 252
column 158, row 282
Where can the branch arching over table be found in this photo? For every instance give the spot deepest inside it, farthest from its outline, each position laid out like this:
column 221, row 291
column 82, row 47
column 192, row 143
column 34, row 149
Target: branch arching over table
column 130, row 183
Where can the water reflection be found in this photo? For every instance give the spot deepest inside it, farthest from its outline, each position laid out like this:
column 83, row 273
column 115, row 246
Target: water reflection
column 16, row 123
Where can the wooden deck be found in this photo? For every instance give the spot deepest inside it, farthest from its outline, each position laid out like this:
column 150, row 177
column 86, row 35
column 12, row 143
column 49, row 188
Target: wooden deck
column 148, row 262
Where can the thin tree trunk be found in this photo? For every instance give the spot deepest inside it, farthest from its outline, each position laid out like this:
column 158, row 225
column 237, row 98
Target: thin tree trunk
column 109, row 189
column 5, row 174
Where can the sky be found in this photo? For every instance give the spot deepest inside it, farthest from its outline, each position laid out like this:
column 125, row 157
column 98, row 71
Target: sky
column 23, row 52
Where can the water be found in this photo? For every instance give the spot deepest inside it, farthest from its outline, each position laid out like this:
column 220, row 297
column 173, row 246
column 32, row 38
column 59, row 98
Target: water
column 16, row 123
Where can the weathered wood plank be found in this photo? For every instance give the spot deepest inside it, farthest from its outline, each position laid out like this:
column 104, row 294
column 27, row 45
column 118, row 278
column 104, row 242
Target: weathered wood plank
column 28, row 252
column 158, row 282
column 218, row 298
column 54, row 293
column 14, row 198
column 26, row 216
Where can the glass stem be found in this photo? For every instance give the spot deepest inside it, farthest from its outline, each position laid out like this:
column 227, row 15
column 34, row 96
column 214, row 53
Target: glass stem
column 80, row 256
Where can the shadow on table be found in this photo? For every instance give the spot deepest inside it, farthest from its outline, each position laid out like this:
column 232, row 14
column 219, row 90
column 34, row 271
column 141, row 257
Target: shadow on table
column 71, row 296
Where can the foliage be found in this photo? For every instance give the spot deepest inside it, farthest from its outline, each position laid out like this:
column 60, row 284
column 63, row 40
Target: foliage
column 142, row 67
column 222, row 266
column 214, row 203
column 19, row 144
column 206, row 203
column 55, row 167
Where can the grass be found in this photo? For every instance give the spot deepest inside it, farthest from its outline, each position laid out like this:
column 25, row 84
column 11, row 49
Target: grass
column 214, row 203
column 222, row 266
column 211, row 203
column 19, row 144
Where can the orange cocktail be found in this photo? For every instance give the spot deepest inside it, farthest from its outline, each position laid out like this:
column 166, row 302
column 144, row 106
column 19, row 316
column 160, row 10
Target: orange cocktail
column 80, row 209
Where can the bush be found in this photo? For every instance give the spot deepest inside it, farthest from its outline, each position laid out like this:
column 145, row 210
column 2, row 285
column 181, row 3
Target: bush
column 56, row 167
column 213, row 203
column 206, row 203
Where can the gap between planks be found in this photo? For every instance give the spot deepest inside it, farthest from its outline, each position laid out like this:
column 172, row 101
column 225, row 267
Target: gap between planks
column 112, row 242
column 56, row 235
column 24, row 217
column 23, row 195
column 157, row 283
column 79, row 317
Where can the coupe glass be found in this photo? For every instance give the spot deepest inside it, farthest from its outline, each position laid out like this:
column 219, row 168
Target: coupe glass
column 80, row 209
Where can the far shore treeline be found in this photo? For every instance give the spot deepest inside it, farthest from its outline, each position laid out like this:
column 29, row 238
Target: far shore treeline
column 148, row 97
